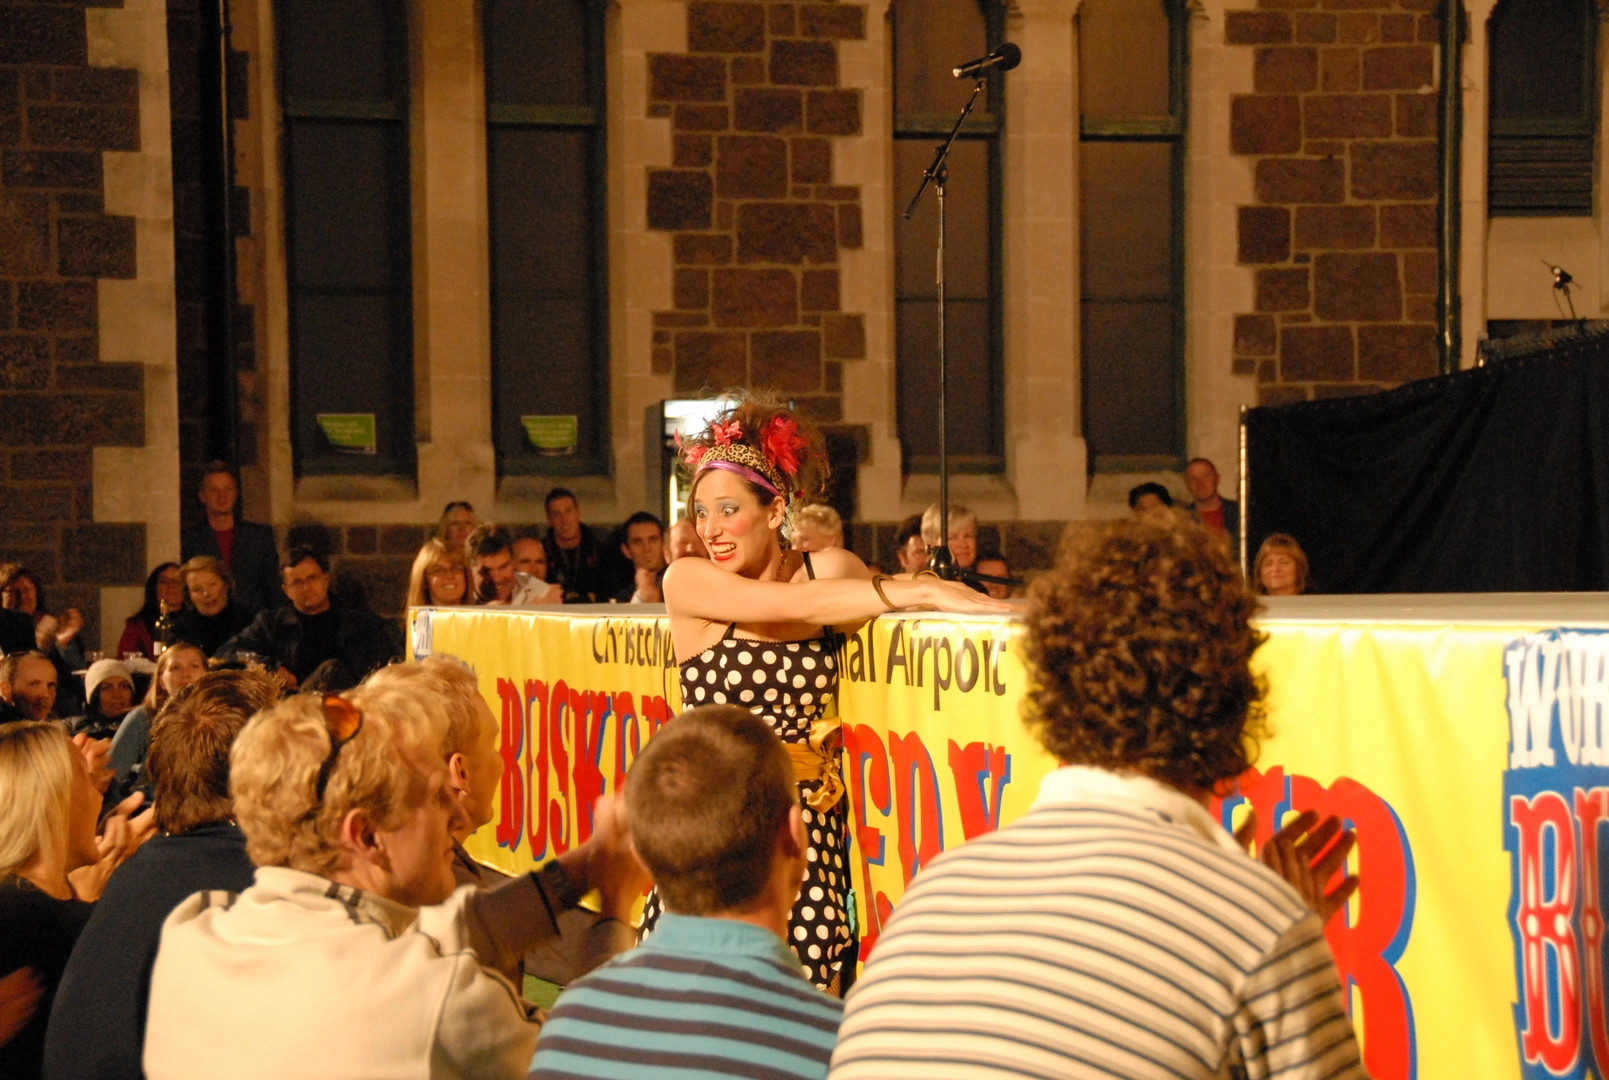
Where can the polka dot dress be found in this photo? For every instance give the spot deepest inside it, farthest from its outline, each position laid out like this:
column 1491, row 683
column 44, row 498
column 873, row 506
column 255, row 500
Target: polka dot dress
column 788, row 684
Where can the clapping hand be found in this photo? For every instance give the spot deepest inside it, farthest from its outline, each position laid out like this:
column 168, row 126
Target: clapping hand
column 121, row 836
column 1307, row 857
column 95, row 752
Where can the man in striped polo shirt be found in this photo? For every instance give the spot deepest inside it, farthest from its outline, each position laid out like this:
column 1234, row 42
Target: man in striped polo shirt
column 714, row 990
column 1115, row 929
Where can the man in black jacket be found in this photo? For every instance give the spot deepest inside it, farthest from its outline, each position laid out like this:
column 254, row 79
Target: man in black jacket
column 246, row 548
column 592, row 570
column 97, row 1022
column 314, row 630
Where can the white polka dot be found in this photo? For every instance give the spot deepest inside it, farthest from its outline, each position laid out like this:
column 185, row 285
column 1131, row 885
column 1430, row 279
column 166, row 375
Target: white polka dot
column 815, row 834
column 821, row 932
column 769, row 657
column 807, row 913
column 707, row 655
column 816, row 893
column 838, row 861
column 809, row 663
column 807, row 972
column 720, row 698
column 771, row 695
column 815, row 952
column 832, row 879
column 746, row 696
column 805, row 699
column 759, row 676
column 699, row 693
column 821, row 680
column 829, row 914
column 811, row 854
column 809, row 817
column 799, row 933
column 831, row 663
column 798, row 681
column 710, row 677
column 793, row 646
column 745, row 657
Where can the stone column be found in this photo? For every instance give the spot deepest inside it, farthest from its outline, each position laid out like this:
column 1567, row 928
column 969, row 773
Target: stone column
column 1045, row 453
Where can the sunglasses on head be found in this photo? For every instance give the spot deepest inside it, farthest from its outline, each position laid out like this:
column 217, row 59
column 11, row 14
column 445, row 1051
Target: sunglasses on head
column 343, row 720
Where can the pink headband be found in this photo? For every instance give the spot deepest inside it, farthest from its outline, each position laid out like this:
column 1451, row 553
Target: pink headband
column 745, row 472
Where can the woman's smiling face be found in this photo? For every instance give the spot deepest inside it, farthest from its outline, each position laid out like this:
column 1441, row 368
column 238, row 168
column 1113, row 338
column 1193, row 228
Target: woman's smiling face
column 738, row 532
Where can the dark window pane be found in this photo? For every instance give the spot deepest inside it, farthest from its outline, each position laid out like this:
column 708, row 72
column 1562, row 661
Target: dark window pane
column 344, row 207
column 967, row 221
column 1127, row 219
column 930, row 38
column 1123, row 61
column 1129, row 378
column 343, row 50
column 1538, row 54
column 351, row 356
column 545, row 297
column 972, row 392
column 537, row 52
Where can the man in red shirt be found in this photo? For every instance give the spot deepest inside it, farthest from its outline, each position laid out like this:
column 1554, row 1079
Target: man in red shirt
column 246, row 548
column 1211, row 509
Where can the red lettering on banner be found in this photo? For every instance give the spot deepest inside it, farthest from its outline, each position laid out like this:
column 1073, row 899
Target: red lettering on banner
column 509, row 747
column 975, row 766
column 630, row 738
column 558, row 812
column 1592, row 812
column 868, row 778
column 589, row 711
column 1543, row 919
column 536, row 767
column 916, row 791
column 656, row 710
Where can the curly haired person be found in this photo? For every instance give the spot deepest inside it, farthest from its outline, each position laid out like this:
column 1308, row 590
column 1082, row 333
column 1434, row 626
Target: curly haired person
column 1116, row 929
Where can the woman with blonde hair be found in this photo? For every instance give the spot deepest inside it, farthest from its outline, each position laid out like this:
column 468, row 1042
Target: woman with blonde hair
column 52, row 867
column 1280, row 568
column 816, row 527
column 754, row 625
column 177, row 667
column 439, row 577
column 458, row 520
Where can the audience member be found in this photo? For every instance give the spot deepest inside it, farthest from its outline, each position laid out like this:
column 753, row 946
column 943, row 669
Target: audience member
column 816, row 527
column 165, row 585
column 211, row 617
column 197, row 848
column 177, row 667
column 714, row 990
column 351, row 954
column 439, row 577
column 109, row 695
column 994, row 564
column 490, row 551
column 315, row 629
column 1280, row 568
column 1116, row 928
column 57, row 639
column 458, row 520
column 52, row 867
column 1211, row 509
column 683, row 541
column 28, row 684
column 474, row 770
column 909, row 546
column 530, row 557
column 246, row 548
column 1144, row 498
column 590, row 570
column 963, row 533
column 644, row 545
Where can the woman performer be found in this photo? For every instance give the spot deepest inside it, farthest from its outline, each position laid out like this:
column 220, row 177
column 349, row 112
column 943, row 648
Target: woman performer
column 753, row 623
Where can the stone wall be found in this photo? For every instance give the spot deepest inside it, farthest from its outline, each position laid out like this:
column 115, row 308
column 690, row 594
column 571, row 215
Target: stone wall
column 758, row 223
column 1342, row 229
column 58, row 400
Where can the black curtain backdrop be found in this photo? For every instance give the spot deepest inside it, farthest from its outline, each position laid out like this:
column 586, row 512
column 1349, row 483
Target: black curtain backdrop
column 1490, row 480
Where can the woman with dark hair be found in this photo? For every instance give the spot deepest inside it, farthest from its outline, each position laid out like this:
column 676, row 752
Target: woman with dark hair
column 165, row 585
column 210, row 615
column 56, row 638
column 753, row 626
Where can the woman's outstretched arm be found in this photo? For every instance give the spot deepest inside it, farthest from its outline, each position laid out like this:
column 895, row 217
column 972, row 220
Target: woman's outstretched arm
column 697, row 589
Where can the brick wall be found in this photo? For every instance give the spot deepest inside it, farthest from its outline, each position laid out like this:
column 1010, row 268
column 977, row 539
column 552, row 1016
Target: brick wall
column 1342, row 130
column 57, row 400
column 755, row 106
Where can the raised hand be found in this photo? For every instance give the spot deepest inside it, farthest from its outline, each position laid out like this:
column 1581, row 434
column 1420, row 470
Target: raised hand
column 121, row 836
column 1307, row 852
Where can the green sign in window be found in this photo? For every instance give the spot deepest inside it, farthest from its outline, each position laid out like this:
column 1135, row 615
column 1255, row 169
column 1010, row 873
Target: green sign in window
column 552, row 434
column 349, row 433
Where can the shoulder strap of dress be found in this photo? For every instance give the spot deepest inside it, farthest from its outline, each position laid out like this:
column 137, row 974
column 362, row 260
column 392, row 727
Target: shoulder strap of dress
column 811, row 570
column 731, row 631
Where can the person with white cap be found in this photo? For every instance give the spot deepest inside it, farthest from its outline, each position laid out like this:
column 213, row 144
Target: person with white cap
column 109, row 695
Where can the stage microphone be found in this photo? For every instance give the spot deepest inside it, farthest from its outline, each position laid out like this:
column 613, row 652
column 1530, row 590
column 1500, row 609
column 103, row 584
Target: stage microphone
column 1005, row 58
column 1561, row 276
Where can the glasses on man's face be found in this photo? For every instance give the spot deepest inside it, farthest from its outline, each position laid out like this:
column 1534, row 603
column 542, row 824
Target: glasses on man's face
column 343, row 720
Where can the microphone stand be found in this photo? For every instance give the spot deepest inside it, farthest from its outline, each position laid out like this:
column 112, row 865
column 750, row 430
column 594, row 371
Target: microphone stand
column 941, row 561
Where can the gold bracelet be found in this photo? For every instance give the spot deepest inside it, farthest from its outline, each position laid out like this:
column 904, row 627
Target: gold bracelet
column 877, row 583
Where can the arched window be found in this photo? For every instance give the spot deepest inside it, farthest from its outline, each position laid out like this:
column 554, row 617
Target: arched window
column 1131, row 58
column 930, row 38
column 344, row 94
column 1543, row 96
column 545, row 173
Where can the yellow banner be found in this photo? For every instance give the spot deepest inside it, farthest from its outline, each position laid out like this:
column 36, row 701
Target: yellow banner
column 1468, row 759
